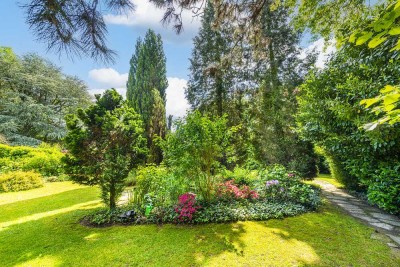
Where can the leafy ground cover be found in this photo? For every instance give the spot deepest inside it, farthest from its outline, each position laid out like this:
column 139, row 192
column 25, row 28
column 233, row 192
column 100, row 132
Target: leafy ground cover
column 40, row 228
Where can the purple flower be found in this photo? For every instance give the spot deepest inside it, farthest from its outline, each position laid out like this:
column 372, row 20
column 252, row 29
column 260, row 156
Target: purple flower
column 271, row 183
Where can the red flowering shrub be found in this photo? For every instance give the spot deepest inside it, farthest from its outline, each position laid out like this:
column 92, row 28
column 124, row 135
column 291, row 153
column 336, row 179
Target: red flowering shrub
column 229, row 190
column 186, row 207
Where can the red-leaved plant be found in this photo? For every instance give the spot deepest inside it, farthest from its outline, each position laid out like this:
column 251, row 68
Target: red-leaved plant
column 186, row 207
column 229, row 190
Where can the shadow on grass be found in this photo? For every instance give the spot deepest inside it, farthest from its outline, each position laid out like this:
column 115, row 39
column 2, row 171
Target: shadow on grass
column 60, row 240
column 327, row 238
column 23, row 208
column 337, row 239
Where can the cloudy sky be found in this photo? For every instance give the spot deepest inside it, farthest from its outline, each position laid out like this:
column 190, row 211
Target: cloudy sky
column 123, row 32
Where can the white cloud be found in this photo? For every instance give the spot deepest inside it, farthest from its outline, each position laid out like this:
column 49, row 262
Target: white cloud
column 323, row 51
column 146, row 15
column 108, row 77
column 177, row 104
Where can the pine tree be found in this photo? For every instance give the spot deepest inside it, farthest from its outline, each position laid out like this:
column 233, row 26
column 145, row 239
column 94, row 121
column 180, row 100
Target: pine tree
column 148, row 73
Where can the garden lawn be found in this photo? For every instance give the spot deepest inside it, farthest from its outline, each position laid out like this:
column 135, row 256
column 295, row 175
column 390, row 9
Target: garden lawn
column 328, row 178
column 40, row 228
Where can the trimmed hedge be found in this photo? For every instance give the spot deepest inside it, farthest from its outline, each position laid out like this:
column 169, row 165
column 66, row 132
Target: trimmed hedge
column 19, row 181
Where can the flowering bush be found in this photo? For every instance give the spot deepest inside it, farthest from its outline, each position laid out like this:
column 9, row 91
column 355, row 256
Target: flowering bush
column 186, row 207
column 229, row 190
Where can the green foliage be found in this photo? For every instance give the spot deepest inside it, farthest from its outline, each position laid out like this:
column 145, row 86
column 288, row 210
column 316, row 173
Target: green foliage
column 388, row 104
column 104, row 217
column 246, row 210
column 194, row 151
column 44, row 159
column 241, row 176
column 210, row 87
column 19, row 181
column 104, row 143
column 384, row 190
column 34, row 97
column 146, row 89
column 331, row 117
column 159, row 183
column 385, row 25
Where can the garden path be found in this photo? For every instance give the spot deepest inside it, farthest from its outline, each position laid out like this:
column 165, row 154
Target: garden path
column 380, row 220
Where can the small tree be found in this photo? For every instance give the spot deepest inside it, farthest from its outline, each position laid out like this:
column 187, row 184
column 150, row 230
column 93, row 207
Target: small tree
column 195, row 149
column 104, row 143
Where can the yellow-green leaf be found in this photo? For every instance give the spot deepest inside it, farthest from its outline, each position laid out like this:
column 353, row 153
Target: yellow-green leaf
column 396, row 47
column 387, row 89
column 352, row 38
column 369, row 102
column 394, row 31
column 390, row 99
column 363, row 38
column 377, row 40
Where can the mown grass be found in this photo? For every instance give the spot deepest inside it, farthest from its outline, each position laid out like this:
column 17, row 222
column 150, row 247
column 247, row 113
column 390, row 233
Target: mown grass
column 44, row 231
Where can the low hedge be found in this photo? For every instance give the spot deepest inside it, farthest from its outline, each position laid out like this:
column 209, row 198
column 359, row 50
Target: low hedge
column 19, row 181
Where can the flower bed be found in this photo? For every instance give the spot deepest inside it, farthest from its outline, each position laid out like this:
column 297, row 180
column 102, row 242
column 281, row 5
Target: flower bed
column 276, row 194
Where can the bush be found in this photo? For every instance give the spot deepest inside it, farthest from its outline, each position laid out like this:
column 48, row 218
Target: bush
column 241, row 176
column 384, row 189
column 229, row 191
column 44, row 159
column 186, row 207
column 158, row 182
column 19, row 181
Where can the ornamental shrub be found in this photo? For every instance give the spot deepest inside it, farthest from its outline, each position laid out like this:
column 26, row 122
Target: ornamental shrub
column 241, row 176
column 229, row 190
column 105, row 142
column 195, row 151
column 186, row 207
column 160, row 182
column 19, row 181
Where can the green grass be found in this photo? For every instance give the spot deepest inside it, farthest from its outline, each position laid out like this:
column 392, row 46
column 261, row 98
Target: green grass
column 43, row 231
column 328, row 178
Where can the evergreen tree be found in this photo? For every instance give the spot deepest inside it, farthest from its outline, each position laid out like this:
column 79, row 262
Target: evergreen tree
column 209, row 80
column 148, row 73
column 280, row 72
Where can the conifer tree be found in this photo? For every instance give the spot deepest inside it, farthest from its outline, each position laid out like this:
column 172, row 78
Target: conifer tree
column 147, row 73
column 209, row 81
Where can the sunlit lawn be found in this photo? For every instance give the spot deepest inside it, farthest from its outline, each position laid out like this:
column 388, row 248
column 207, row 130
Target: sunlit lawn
column 328, row 178
column 39, row 228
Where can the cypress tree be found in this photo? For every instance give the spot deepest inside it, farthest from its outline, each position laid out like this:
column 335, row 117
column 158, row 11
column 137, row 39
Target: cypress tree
column 147, row 73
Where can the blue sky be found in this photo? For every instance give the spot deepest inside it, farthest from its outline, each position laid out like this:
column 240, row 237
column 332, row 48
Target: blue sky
column 123, row 32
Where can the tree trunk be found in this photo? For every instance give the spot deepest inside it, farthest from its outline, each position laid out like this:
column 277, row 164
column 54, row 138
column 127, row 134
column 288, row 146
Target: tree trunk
column 112, row 196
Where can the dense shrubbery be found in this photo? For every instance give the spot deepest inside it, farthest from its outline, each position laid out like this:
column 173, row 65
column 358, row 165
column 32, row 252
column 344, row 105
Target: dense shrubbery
column 105, row 142
column 331, row 117
column 272, row 193
column 19, row 181
column 44, row 159
column 159, row 183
